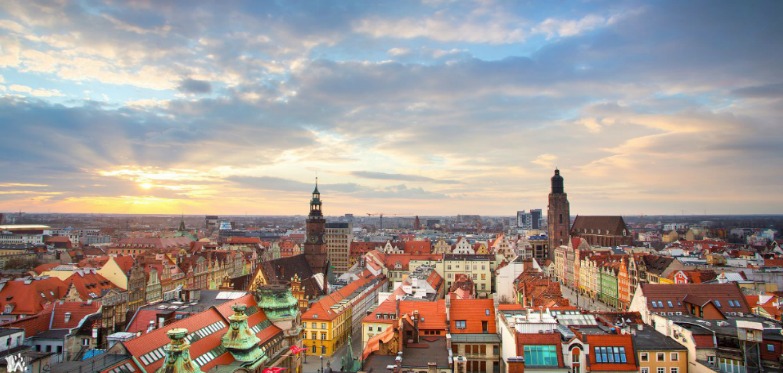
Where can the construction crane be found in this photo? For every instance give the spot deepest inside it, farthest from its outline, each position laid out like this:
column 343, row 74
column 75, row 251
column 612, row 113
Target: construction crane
column 380, row 215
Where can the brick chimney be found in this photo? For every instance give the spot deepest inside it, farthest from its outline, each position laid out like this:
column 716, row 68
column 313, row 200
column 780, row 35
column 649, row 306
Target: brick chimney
column 516, row 364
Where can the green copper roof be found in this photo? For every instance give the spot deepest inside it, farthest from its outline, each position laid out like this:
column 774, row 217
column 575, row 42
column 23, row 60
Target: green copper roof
column 178, row 354
column 277, row 302
column 239, row 337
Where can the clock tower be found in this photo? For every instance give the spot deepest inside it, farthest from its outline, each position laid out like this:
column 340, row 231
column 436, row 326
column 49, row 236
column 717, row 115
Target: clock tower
column 315, row 247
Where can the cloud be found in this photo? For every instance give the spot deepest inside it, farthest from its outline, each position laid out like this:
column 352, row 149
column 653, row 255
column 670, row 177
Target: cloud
column 402, row 177
column 761, row 91
column 194, row 86
column 37, row 92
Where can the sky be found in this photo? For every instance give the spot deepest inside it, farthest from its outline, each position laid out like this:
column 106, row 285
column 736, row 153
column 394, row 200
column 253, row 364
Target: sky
column 397, row 107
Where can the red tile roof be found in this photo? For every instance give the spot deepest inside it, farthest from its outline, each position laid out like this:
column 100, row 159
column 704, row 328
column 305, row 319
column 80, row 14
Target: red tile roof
column 243, row 240
column 157, row 338
column 29, row 298
column 474, row 312
column 545, row 339
column 697, row 294
column 88, row 284
column 611, row 340
column 77, row 311
column 45, row 267
column 321, row 309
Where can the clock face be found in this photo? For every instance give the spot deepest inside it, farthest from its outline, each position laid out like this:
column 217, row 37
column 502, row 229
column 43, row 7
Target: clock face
column 312, row 238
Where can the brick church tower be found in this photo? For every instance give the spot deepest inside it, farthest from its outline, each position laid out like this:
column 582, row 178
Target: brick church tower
column 558, row 216
column 315, row 246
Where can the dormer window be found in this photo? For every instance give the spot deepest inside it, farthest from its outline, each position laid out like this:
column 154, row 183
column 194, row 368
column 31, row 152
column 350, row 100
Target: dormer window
column 9, row 308
column 67, row 316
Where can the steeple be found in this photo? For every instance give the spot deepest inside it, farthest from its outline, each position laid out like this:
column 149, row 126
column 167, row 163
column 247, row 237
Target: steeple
column 240, row 341
column 315, row 202
column 182, row 224
column 557, row 183
column 178, row 354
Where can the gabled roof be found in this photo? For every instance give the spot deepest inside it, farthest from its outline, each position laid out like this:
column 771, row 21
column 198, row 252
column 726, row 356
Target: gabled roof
column 281, row 270
column 322, row 309
column 45, row 267
column 614, row 224
column 207, row 329
column 28, row 296
column 89, row 285
column 76, row 311
column 697, row 294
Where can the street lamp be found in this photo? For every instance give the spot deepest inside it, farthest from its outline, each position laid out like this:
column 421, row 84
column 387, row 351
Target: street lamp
column 322, row 363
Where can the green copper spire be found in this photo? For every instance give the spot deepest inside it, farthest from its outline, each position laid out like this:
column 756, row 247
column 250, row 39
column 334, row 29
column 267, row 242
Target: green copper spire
column 239, row 340
column 178, row 354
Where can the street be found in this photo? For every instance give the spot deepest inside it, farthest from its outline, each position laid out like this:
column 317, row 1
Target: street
column 313, row 364
column 585, row 302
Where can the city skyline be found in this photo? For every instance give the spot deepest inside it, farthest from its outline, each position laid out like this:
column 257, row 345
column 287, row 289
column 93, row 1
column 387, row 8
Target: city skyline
column 409, row 108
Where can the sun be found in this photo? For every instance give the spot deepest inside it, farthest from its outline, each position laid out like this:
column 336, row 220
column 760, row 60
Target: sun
column 145, row 186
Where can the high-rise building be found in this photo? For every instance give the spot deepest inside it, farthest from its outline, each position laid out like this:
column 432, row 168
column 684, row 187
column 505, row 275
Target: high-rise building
column 522, row 219
column 338, row 239
column 315, row 246
column 558, row 215
column 535, row 219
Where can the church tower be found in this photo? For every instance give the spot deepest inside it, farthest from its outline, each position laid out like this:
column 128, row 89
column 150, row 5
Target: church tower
column 558, row 216
column 315, row 246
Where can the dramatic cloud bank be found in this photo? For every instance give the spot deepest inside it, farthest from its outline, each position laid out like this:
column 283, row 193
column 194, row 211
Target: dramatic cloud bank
column 405, row 107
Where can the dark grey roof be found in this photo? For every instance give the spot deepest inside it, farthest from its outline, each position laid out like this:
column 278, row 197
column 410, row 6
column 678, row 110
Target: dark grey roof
column 648, row 339
column 475, row 338
column 430, row 349
column 9, row 331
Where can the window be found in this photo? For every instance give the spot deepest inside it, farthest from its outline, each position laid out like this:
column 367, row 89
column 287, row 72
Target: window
column 85, row 341
column 323, row 336
column 674, row 370
column 610, row 355
column 661, row 357
column 460, row 324
column 645, row 370
column 675, row 356
column 323, row 325
column 315, row 335
column 379, row 328
column 541, row 355
column 670, row 304
column 484, row 327
column 661, row 370
column 770, row 347
column 314, row 350
column 323, row 350
column 645, row 356
column 717, row 303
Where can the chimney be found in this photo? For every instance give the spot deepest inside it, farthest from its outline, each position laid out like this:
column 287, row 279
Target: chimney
column 397, row 314
column 416, row 326
column 516, row 364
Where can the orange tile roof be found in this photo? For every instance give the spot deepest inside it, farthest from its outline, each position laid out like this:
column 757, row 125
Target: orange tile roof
column 45, row 267
column 474, row 312
column 89, row 285
column 29, row 299
column 611, row 340
column 243, row 240
column 322, row 310
column 157, row 338
column 545, row 339
column 77, row 311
